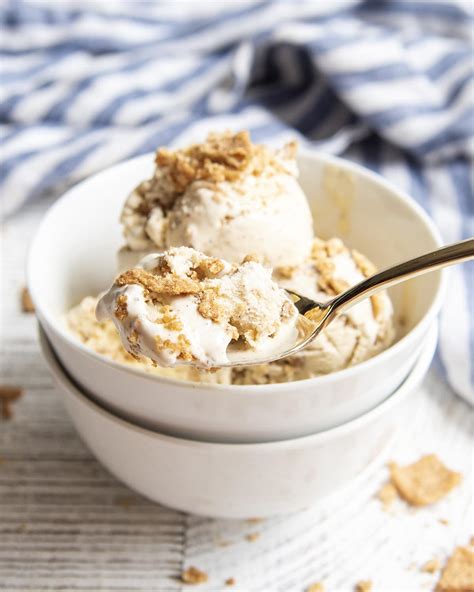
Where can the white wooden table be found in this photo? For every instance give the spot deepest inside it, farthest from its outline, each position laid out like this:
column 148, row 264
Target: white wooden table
column 66, row 524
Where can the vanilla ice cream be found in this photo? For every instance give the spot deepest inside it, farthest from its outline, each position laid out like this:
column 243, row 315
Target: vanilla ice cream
column 357, row 335
column 183, row 307
column 226, row 197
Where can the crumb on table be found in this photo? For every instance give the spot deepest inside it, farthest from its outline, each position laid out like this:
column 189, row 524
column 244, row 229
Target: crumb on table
column 26, row 302
column 458, row 573
column 423, row 482
column 252, row 536
column 431, row 566
column 8, row 394
column 254, row 520
column 316, row 587
column 230, row 582
column 193, row 575
column 363, row 586
column 387, row 495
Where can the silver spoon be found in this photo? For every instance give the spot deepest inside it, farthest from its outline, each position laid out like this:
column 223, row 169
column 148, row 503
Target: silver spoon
column 315, row 316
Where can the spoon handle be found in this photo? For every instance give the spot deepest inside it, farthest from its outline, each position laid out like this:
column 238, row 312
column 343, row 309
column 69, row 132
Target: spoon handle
column 455, row 253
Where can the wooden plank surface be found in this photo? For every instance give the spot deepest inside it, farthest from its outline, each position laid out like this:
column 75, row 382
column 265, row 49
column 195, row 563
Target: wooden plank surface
column 66, row 524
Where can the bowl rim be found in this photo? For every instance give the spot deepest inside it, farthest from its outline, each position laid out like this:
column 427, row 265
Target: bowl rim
column 415, row 375
column 57, row 324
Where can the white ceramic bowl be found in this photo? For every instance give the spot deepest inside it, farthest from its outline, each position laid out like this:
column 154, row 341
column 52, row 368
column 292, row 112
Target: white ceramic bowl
column 74, row 255
column 238, row 480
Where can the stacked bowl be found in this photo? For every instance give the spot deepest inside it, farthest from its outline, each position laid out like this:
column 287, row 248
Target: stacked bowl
column 236, row 451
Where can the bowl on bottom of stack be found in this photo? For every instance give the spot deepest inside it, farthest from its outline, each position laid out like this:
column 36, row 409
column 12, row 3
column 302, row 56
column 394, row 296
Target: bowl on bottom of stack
column 224, row 480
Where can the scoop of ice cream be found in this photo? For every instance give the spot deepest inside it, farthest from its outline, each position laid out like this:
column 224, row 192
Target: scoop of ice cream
column 183, row 307
column 361, row 332
column 357, row 335
column 226, row 197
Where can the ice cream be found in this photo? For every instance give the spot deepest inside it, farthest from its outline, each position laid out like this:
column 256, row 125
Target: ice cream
column 183, row 307
column 226, row 197
column 355, row 336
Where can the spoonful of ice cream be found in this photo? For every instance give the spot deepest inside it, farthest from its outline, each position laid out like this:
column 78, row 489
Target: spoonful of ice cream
column 182, row 307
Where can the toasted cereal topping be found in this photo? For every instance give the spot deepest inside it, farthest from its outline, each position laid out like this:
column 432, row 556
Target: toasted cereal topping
column 169, row 285
column 121, row 311
column 222, row 157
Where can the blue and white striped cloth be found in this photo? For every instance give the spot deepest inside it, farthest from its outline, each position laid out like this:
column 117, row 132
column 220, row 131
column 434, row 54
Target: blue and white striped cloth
column 388, row 83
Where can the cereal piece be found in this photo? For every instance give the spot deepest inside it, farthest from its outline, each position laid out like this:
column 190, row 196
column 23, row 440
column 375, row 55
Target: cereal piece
column 210, row 307
column 317, row 587
column 431, row 566
column 121, row 311
column 170, row 285
column 425, row 481
column 193, row 575
column 255, row 520
column 8, row 394
column 444, row 521
column 222, row 157
column 210, row 267
column 26, row 302
column 252, row 537
column 377, row 302
column 251, row 257
column 363, row 586
column 286, row 271
column 366, row 267
column 387, row 495
column 458, row 573
column 334, row 246
column 230, row 582
column 124, row 501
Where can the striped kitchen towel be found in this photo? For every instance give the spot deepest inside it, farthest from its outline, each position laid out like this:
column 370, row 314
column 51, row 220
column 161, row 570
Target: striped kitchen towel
column 388, row 83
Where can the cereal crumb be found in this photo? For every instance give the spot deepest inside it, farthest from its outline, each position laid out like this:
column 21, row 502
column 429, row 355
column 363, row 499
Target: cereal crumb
column 387, row 495
column 444, row 521
column 363, row 586
column 124, row 502
column 317, row 587
column 425, row 481
column 223, row 543
column 230, row 582
column 251, row 257
column 458, row 573
column 26, row 302
column 8, row 394
column 254, row 520
column 252, row 537
column 193, row 575
column 431, row 566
